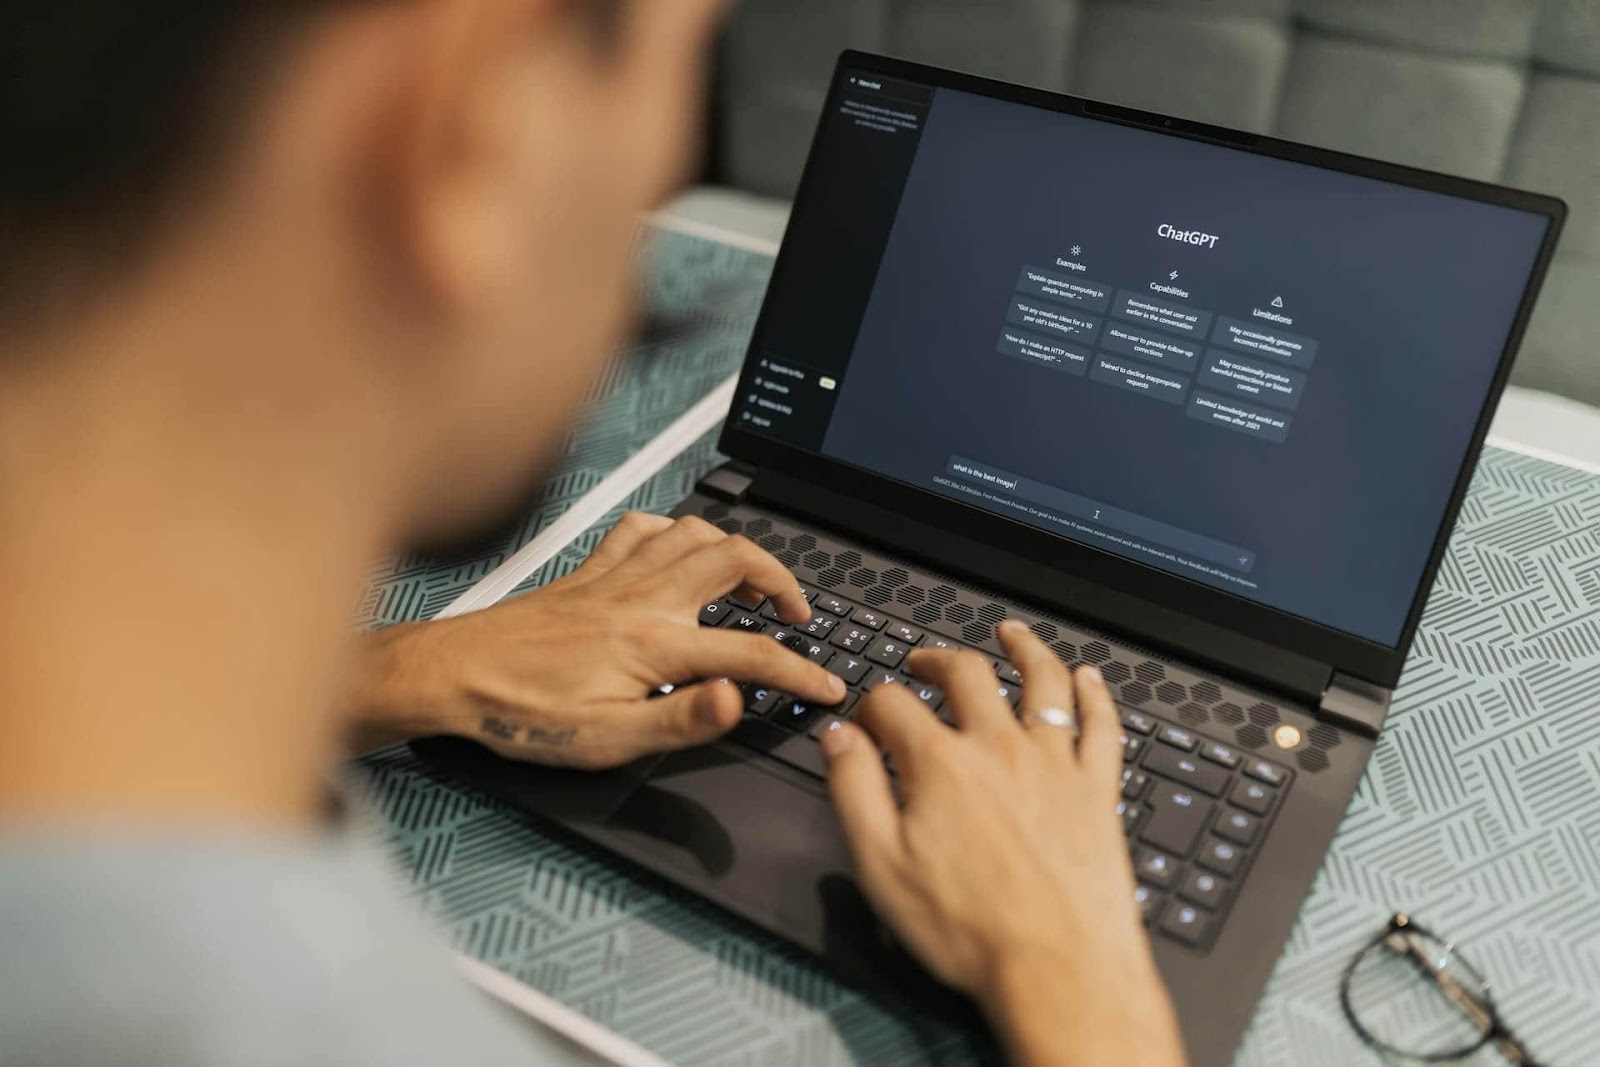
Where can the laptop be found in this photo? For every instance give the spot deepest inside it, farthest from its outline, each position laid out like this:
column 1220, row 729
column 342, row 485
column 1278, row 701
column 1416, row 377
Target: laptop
column 1198, row 406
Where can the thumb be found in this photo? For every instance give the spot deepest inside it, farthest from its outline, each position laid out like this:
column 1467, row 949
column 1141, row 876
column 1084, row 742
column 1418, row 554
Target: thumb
column 689, row 716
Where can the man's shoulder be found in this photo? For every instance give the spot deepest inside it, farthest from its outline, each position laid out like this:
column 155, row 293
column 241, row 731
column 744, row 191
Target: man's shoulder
column 192, row 950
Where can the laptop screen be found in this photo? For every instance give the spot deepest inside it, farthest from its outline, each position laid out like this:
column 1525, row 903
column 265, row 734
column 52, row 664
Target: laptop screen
column 1256, row 374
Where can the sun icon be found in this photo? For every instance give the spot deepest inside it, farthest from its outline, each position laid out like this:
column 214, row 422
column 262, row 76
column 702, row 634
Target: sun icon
column 1077, row 250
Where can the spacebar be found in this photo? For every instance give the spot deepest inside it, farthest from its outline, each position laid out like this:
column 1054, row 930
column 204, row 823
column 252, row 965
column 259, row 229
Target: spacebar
column 798, row 751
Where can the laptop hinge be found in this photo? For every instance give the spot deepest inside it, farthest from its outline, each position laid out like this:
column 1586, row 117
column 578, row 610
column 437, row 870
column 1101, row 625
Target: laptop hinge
column 1355, row 705
column 729, row 483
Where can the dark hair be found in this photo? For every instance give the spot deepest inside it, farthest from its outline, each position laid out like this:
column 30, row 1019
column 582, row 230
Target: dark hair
column 113, row 113
column 107, row 110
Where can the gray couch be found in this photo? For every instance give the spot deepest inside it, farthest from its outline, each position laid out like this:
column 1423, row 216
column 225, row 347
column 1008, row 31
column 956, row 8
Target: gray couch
column 1502, row 90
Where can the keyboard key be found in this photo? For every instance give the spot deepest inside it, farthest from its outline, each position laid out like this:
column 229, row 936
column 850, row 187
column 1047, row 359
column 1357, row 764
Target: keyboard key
column 905, row 633
column 770, row 612
column 868, row 618
column 1131, row 747
column 759, row 734
column 759, row 700
column 943, row 644
column 1186, row 922
column 1177, row 815
column 1007, row 673
column 1156, row 868
column 833, row 605
column 1134, row 783
column 813, row 651
column 827, row 724
column 887, row 652
column 1204, row 888
column 809, row 593
column 879, row 676
column 1011, row 694
column 851, row 638
column 928, row 694
column 1266, row 772
column 1148, row 900
column 851, row 668
column 819, row 625
column 1130, row 813
column 785, row 637
column 1177, row 737
column 797, row 715
column 1220, row 856
column 748, row 623
column 1190, row 770
column 714, row 614
column 1138, row 722
column 747, row 602
column 1239, row 827
column 1252, row 796
column 1222, row 754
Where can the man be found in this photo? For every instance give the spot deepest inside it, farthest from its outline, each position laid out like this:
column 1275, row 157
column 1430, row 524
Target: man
column 287, row 286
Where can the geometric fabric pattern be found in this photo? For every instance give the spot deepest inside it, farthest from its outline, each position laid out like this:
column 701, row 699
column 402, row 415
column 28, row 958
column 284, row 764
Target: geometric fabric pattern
column 1479, row 814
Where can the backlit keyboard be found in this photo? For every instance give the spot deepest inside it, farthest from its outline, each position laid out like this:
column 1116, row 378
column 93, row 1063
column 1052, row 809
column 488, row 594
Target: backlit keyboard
column 1194, row 810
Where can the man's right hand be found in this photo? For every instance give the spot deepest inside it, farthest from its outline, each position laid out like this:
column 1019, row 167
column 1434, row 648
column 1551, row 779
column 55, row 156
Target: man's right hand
column 1005, row 868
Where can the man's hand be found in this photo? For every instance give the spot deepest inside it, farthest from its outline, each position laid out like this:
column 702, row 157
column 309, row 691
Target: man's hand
column 564, row 675
column 1005, row 867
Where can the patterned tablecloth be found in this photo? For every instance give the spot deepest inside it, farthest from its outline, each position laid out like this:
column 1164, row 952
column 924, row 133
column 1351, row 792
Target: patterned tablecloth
column 1480, row 812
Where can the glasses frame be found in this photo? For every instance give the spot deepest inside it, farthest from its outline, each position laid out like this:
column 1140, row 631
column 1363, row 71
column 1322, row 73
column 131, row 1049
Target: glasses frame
column 1404, row 937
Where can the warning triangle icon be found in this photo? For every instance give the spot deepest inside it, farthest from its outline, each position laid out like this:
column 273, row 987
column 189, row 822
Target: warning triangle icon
column 1277, row 301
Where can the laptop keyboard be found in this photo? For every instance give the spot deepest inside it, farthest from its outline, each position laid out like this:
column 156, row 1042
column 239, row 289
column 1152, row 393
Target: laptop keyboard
column 1194, row 809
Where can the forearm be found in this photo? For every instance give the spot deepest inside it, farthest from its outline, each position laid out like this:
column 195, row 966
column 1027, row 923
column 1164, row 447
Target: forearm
column 1050, row 1012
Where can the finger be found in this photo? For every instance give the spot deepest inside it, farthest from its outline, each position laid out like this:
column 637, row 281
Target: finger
column 678, row 539
column 1100, row 730
column 971, row 691
column 631, row 531
column 692, row 715
column 867, row 810
column 904, row 727
column 735, row 562
column 751, row 658
column 1046, row 683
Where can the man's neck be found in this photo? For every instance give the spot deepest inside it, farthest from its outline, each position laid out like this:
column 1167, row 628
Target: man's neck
column 181, row 552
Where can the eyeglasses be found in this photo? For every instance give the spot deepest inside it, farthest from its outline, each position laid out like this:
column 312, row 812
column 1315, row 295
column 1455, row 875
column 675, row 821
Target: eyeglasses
column 1412, row 995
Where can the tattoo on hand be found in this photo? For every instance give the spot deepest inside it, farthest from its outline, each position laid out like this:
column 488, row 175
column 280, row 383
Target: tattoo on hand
column 501, row 730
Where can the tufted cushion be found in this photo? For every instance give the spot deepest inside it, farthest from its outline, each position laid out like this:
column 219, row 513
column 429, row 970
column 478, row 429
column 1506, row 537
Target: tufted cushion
column 1568, row 36
column 1218, row 69
column 1428, row 111
column 1028, row 41
column 1495, row 29
column 1502, row 90
column 1557, row 150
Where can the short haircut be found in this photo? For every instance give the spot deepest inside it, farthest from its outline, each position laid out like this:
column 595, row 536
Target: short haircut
column 113, row 114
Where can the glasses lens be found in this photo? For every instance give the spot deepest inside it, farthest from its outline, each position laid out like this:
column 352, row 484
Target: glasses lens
column 1400, row 993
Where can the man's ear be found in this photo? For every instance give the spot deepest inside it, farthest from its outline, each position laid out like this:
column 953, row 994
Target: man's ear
column 449, row 153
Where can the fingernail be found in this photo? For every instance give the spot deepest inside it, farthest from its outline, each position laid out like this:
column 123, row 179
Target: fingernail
column 836, row 740
column 1090, row 674
column 1011, row 626
column 836, row 687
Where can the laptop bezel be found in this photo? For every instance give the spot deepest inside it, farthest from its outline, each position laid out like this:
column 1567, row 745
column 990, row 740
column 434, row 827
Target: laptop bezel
column 1341, row 651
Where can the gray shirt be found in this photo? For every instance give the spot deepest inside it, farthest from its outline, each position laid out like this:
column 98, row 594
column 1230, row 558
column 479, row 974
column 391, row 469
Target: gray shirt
column 120, row 949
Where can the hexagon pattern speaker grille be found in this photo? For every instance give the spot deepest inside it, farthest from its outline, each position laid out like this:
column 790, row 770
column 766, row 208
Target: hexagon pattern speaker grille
column 1140, row 679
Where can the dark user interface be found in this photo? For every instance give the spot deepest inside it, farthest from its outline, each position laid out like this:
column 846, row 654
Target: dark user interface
column 1256, row 374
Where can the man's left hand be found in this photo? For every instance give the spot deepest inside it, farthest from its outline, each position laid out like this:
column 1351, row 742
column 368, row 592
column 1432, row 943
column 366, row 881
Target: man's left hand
column 566, row 675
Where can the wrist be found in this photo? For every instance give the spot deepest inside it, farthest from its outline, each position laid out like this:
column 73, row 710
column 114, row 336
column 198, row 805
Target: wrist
column 1073, row 1003
column 394, row 692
